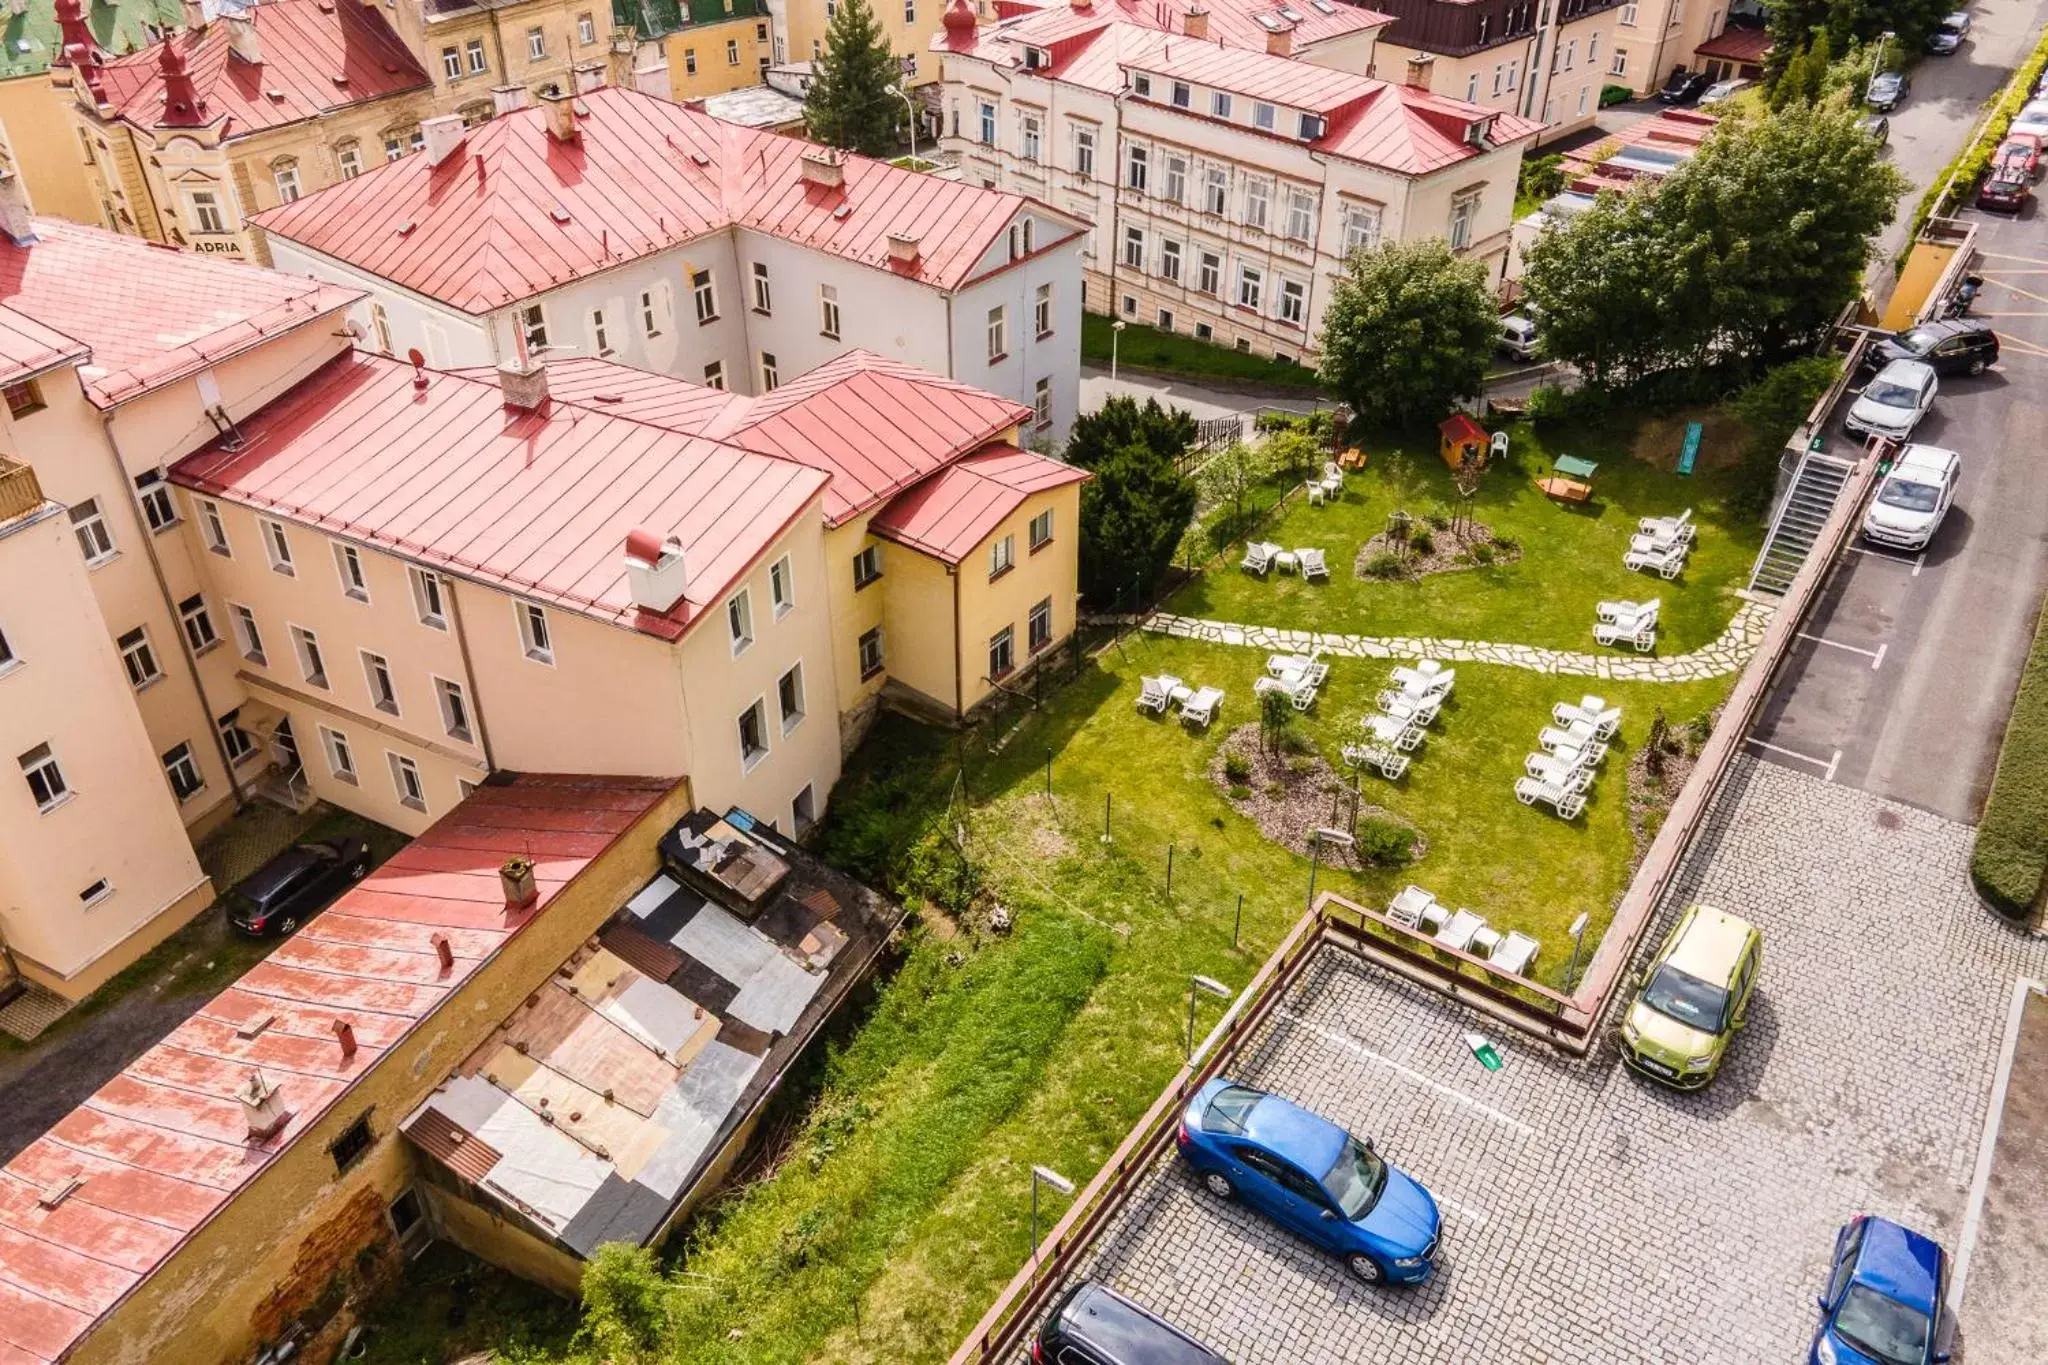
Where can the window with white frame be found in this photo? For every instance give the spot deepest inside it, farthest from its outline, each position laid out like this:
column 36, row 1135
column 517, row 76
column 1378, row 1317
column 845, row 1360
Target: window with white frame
column 1038, row 627
column 1041, row 311
column 1209, row 275
column 1137, row 164
column 405, row 777
column 1041, row 403
column 828, row 311
column 600, row 334
column 536, row 44
column 536, row 634
column 1472, row 88
column 451, row 63
column 1500, row 72
column 910, row 11
column 586, row 29
column 139, row 659
column 988, row 124
column 341, row 760
column 1169, row 260
column 1002, row 556
column 1141, row 85
column 1677, row 13
column 206, row 211
column 764, row 301
column 732, row 52
column 1181, row 96
column 1619, row 66
column 429, row 597
column 1002, row 654
column 1250, row 287
column 348, row 564
column 1030, row 142
column 9, row 660
column 248, row 639
column 789, row 697
column 1464, row 209
column 1084, row 150
column 95, row 540
column 234, row 740
column 1293, row 302
column 1571, row 53
column 158, row 508
column 1134, row 248
column 278, row 546
column 998, row 334
column 1175, row 185
column 1219, row 104
column 380, row 327
column 870, row 653
column 377, row 676
column 100, row 889
column 1301, row 215
column 705, row 291
column 454, row 709
column 198, row 623
column 1263, row 115
column 867, row 566
column 739, row 621
column 348, row 157
column 1258, row 200
column 1628, row 16
column 212, row 530
column 183, row 771
column 690, row 61
column 782, row 586
column 533, row 328
column 753, row 730
column 1041, row 530
column 1593, row 50
column 1361, row 226
column 769, row 376
column 312, row 664
column 45, row 778
column 1515, row 75
column 714, row 375
column 1215, row 190
column 473, row 50
column 1585, row 92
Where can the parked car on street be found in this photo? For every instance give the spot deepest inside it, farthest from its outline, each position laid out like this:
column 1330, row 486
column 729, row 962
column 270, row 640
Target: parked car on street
column 1877, row 126
column 1887, row 91
column 2025, row 145
column 1886, row 1296
column 296, row 885
column 1913, row 498
column 1095, row 1325
column 1951, row 347
column 2008, row 184
column 1684, row 87
column 1692, row 998
column 1723, row 90
column 1313, row 1178
column 1894, row 401
column 2031, row 121
column 1950, row 35
column 1518, row 336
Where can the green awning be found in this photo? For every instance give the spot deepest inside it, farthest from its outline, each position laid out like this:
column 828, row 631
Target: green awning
column 1572, row 467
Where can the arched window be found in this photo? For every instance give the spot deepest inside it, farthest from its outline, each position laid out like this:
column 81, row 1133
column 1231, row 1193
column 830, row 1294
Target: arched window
column 348, row 158
column 284, row 172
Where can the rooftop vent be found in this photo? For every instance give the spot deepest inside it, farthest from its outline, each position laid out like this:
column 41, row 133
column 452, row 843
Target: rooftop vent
column 405, row 229
column 242, row 40
column 55, row 1194
column 843, row 212
column 260, row 1106
column 655, row 572
column 560, row 215
column 822, row 166
column 275, row 95
column 340, row 79
column 699, row 159
column 904, row 246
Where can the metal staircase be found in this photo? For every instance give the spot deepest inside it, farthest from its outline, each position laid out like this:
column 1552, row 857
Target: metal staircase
column 1816, row 485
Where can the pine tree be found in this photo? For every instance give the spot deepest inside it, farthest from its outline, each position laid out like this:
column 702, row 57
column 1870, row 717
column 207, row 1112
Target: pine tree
column 1818, row 60
column 849, row 103
column 1791, row 84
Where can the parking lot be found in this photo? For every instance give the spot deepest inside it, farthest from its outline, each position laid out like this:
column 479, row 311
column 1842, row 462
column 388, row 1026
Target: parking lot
column 1589, row 1215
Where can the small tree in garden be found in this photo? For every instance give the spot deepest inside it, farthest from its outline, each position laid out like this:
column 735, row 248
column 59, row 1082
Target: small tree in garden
column 1408, row 332
column 1136, row 508
column 1230, row 477
column 849, row 104
column 1276, row 716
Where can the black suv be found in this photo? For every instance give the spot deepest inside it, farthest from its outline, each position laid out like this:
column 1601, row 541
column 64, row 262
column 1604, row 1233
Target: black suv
column 1684, row 87
column 1957, row 347
column 1097, row 1326
column 296, row 885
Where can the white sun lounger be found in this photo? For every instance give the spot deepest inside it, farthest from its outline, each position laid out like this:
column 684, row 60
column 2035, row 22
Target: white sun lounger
column 1306, row 666
column 1378, row 757
column 1514, row 954
column 1401, row 706
column 1313, row 565
column 1400, row 734
column 1458, row 933
column 1300, row 692
column 1200, row 709
column 1415, row 683
column 1154, row 694
column 1595, row 711
column 1259, row 555
column 1567, row 804
column 1574, row 739
column 1572, row 774
column 1622, row 613
column 1663, row 563
column 1680, row 527
column 1642, row 635
column 1408, row 906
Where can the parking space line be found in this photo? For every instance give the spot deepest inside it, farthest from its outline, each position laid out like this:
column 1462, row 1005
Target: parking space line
column 1987, row 1143
column 2012, row 343
column 1917, row 561
column 1452, row 1093
column 1876, row 656
column 1826, row 765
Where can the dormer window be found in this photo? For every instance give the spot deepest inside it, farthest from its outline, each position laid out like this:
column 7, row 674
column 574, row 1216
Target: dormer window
column 1475, row 133
column 1219, row 104
column 1182, row 96
column 1263, row 116
column 1141, row 85
column 1311, row 127
column 1036, row 58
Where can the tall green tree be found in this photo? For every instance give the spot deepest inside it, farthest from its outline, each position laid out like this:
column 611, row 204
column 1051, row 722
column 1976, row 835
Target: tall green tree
column 1605, row 283
column 1408, row 332
column 1136, row 508
column 849, row 104
column 1818, row 59
column 1790, row 86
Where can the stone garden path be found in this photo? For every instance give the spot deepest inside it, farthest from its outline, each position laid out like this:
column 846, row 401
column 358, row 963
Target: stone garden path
column 1725, row 655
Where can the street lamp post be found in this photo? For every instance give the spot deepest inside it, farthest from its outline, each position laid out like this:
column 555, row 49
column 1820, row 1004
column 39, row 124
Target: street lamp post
column 1316, row 839
column 1578, row 933
column 1043, row 1175
column 1196, row 985
column 1116, row 329
column 911, row 110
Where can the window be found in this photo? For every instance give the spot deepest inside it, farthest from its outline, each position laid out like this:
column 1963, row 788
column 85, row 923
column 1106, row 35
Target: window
column 1463, row 209
column 380, row 325
column 803, row 812
column 1175, row 188
column 763, row 301
column 94, row 539
column 474, row 51
column 24, row 398
column 1039, row 626
column 1135, row 168
column 1219, row 104
column 768, row 379
column 732, row 52
column 1593, row 50
column 870, row 653
column 1041, row 530
column 1584, row 92
column 1628, row 16
column 1209, row 277
column 1311, row 127
column 1028, row 140
column 1250, row 287
column 1472, row 88
column 1262, row 115
column 377, row 674
column 451, row 62
column 998, row 334
column 234, row 739
column 198, row 623
column 1361, row 226
column 340, row 761
column 1204, row 332
column 1041, row 311
column 206, row 214
column 139, row 659
column 533, row 328
column 714, row 375
column 278, row 546
column 690, row 60
column 706, row 294
column 1084, row 151
column 781, row 587
column 1215, row 190
column 1301, row 215
column 1514, row 75
column 1041, row 403
column 248, row 640
column 1134, row 248
column 988, row 124
column 739, row 621
column 1571, row 53
column 789, row 696
column 454, row 709
column 1130, row 305
column 753, row 735
column 45, row 779
column 155, row 496
column 1002, row 655
column 586, row 29
column 94, row 894
column 405, row 778
column 828, row 311
column 909, row 11
column 536, row 44
column 1619, row 67
column 536, row 640
column 1677, row 12
column 1499, row 73
column 179, row 767
column 867, row 566
column 1258, row 198
column 212, row 529
column 1002, row 556
column 9, row 660
column 1182, row 97
column 311, row 665
column 427, row 598
column 1293, row 302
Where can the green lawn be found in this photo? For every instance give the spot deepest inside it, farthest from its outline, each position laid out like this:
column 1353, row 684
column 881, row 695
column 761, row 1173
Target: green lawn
column 1571, row 554
column 1143, row 347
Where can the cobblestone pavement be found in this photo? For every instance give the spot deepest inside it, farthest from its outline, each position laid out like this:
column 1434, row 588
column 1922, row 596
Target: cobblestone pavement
column 1589, row 1215
column 1725, row 655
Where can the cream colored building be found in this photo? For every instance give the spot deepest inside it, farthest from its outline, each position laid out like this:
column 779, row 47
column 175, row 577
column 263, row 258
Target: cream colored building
column 1226, row 187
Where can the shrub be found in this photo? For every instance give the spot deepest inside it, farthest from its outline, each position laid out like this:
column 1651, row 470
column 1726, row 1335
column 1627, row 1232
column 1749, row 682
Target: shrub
column 1438, row 516
column 1239, row 791
column 1542, row 176
column 1237, row 768
column 1300, row 764
column 1770, row 410
column 1423, row 543
column 1550, row 404
column 1384, row 565
column 1385, row 843
column 1482, row 553
column 1506, row 545
column 2010, row 860
column 625, row 1303
column 1293, row 741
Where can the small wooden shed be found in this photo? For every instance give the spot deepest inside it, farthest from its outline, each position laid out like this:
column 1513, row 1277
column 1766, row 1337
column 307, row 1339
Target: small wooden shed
column 1464, row 442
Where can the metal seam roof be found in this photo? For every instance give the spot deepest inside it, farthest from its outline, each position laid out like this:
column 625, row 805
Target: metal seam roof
column 949, row 515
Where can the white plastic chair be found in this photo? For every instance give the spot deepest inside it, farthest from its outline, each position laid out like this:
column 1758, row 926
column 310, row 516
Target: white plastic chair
column 1459, row 932
column 1313, row 565
column 1400, row 734
column 1200, row 709
column 1258, row 555
column 1514, row 954
column 1153, row 694
column 1529, row 791
column 1498, row 446
column 1408, row 905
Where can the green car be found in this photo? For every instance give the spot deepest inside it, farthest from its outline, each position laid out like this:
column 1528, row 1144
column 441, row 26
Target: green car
column 1692, row 999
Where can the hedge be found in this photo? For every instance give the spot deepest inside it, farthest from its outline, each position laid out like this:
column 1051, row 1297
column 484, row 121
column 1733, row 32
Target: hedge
column 2010, row 861
column 1970, row 164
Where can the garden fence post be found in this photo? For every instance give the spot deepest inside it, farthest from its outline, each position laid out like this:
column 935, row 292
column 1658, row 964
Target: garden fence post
column 1048, row 774
column 1169, row 868
column 1105, row 817
column 1237, row 922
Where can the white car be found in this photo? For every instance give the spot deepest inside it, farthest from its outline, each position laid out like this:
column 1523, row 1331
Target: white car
column 1723, row 90
column 1893, row 402
column 1518, row 336
column 1913, row 498
column 2032, row 119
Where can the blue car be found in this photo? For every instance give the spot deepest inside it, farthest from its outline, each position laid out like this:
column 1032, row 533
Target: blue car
column 1313, row 1178
column 1883, row 1304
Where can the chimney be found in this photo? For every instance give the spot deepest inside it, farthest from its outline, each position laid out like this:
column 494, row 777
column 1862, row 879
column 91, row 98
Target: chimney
column 266, row 1116
column 1420, row 68
column 182, row 105
column 589, row 77
column 443, row 135
column 444, row 952
column 525, row 390
column 561, row 114
column 345, row 1034
column 73, row 32
column 195, row 15
column 242, row 40
column 17, row 214
column 1280, row 41
column 823, row 166
column 506, row 99
column 1196, row 23
column 903, row 247
column 655, row 572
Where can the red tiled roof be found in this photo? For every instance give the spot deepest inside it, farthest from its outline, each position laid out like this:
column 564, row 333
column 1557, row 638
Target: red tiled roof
column 485, row 228
column 27, row 347
column 162, row 1147
column 1233, row 22
column 537, row 503
column 1748, row 46
column 318, row 56
column 955, row 510
column 151, row 315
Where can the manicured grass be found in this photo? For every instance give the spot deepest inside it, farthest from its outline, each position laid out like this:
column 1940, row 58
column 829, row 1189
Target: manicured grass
column 1571, row 554
column 1147, row 348
column 2010, row 859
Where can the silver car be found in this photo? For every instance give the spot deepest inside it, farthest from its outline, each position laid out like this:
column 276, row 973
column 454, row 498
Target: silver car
column 1913, row 498
column 1894, row 401
column 1518, row 336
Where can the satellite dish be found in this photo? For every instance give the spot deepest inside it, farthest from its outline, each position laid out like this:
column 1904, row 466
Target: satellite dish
column 415, row 357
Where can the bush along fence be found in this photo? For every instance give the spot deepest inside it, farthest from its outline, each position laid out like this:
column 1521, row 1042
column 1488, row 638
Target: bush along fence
column 1962, row 174
column 2010, row 861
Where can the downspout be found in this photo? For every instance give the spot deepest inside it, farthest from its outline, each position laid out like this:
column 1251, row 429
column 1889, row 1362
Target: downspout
column 476, row 696
column 959, row 664
column 163, row 586
column 1114, row 246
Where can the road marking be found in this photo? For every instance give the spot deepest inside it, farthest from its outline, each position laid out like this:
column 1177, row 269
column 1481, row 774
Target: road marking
column 1987, row 1144
column 1918, row 561
column 1876, row 656
column 1456, row 1096
column 2012, row 343
column 1458, row 1209
column 2023, row 293
column 2006, row 256
column 1828, row 765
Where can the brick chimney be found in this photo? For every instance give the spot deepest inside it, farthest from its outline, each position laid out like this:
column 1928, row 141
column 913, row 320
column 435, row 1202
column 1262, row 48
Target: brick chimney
column 822, row 166
column 1196, row 23
column 182, row 106
column 524, row 390
column 1280, row 41
column 242, row 40
column 589, row 77
column 17, row 214
column 561, row 116
column 1421, row 66
column 74, row 32
column 506, row 99
column 904, row 247
column 443, row 137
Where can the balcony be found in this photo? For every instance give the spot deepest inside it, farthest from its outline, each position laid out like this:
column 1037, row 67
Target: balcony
column 20, row 494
